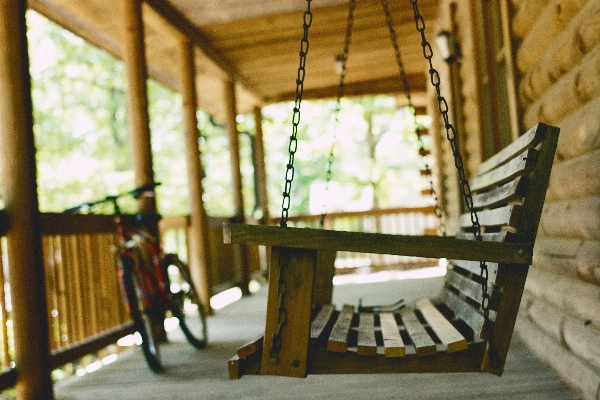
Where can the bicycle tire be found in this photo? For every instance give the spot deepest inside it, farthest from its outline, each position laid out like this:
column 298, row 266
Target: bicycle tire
column 140, row 314
column 185, row 301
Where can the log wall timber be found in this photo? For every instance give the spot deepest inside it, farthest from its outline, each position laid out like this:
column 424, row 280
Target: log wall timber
column 558, row 57
column 522, row 21
column 576, row 218
column 587, row 169
column 580, row 37
column 553, row 20
column 580, row 131
column 471, row 117
column 573, row 370
column 580, row 336
column 574, row 89
column 576, row 258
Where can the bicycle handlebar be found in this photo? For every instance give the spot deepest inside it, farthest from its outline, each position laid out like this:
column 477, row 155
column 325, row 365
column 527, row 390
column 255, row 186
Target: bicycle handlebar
column 135, row 193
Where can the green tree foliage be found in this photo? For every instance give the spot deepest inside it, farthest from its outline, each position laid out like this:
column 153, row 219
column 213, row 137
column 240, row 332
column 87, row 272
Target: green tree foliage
column 83, row 148
column 392, row 166
column 80, row 112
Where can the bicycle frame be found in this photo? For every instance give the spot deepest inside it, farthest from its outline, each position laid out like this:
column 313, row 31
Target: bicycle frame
column 144, row 280
column 154, row 287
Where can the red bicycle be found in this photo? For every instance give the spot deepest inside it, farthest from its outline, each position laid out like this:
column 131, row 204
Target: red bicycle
column 153, row 284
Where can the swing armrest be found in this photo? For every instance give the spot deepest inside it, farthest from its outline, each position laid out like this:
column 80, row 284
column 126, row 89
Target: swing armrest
column 359, row 242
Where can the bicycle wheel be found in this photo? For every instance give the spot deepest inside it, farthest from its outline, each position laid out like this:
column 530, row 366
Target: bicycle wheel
column 140, row 313
column 185, row 302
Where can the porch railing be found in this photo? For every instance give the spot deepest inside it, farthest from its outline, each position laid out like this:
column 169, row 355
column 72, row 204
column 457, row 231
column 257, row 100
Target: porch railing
column 85, row 307
column 223, row 270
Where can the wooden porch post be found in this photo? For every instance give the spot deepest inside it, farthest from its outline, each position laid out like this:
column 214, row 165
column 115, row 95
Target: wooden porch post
column 134, row 55
column 236, row 179
column 259, row 165
column 198, row 233
column 24, row 241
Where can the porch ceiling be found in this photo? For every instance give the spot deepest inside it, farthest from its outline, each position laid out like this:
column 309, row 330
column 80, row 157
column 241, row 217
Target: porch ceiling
column 257, row 43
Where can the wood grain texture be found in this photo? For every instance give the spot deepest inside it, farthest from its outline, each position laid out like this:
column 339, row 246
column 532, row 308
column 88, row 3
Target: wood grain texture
column 366, row 345
column 528, row 140
column 501, row 195
column 321, row 320
column 299, row 273
column 424, row 345
column 418, row 246
column 444, row 330
column 392, row 341
column 520, row 165
column 505, row 217
column 338, row 339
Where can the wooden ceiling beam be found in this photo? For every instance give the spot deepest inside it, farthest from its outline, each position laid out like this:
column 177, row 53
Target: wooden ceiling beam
column 198, row 39
column 326, row 21
column 387, row 85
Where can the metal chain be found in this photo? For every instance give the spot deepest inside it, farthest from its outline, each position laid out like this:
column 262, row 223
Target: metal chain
column 289, row 176
column 340, row 94
column 418, row 129
column 293, row 145
column 458, row 161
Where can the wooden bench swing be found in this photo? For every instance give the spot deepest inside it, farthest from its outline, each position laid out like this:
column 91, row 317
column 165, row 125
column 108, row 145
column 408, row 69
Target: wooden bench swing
column 467, row 328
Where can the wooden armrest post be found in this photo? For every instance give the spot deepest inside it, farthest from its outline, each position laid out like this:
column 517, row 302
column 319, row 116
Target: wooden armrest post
column 294, row 308
column 324, row 272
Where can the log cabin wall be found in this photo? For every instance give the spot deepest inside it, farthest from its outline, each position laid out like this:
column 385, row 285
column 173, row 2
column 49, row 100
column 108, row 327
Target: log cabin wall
column 555, row 51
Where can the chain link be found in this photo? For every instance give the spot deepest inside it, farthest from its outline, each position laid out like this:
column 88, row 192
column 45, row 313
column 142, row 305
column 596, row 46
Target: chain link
column 406, row 88
column 293, row 145
column 458, row 161
column 283, row 261
column 340, row 94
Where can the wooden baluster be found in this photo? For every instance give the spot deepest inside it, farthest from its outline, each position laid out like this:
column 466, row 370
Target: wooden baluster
column 5, row 345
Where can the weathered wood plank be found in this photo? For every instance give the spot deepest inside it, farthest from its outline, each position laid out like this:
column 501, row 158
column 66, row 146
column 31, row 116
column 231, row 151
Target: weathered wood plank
column 321, row 320
column 360, row 242
column 464, row 311
column 475, row 267
column 338, row 339
column 520, row 165
column 392, row 340
column 424, row 345
column 444, row 330
column 504, row 194
column 366, row 346
column 506, row 216
column 252, row 347
column 503, row 236
column 473, row 290
column 528, row 140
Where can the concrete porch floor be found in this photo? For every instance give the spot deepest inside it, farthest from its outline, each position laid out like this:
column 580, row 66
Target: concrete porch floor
column 192, row 374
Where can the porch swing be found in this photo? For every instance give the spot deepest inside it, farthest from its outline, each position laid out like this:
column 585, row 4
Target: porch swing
column 467, row 328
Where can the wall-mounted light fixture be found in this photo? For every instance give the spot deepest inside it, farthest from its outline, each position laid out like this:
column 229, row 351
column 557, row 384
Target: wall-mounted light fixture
column 448, row 47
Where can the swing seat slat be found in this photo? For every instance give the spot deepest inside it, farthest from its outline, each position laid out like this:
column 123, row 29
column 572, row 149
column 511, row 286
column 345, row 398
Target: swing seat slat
column 447, row 333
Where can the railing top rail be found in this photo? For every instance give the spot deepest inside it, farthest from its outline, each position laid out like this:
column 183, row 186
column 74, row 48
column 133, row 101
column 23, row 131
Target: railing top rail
column 72, row 224
column 369, row 213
